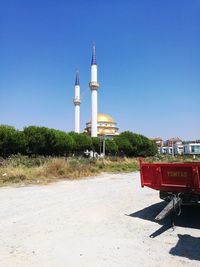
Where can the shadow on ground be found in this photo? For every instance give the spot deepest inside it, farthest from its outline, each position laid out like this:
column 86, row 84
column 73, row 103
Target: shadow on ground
column 187, row 246
column 189, row 218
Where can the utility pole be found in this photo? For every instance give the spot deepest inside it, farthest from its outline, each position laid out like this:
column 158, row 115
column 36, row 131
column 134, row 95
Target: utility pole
column 104, row 147
column 100, row 146
column 172, row 148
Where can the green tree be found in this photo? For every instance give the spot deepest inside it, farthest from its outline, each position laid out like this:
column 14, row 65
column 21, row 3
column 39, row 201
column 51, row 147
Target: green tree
column 62, row 144
column 45, row 141
column 133, row 144
column 111, row 147
column 96, row 144
column 12, row 141
column 36, row 140
column 82, row 142
column 135, row 141
column 124, row 145
column 151, row 148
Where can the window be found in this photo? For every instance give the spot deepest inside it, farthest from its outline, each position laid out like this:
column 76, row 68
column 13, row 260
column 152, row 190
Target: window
column 195, row 149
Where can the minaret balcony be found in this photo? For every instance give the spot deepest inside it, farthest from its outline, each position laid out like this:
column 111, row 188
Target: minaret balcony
column 94, row 85
column 77, row 101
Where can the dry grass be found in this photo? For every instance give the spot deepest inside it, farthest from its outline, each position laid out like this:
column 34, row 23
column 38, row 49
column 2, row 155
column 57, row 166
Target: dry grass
column 169, row 159
column 23, row 170
column 116, row 164
column 52, row 170
column 20, row 171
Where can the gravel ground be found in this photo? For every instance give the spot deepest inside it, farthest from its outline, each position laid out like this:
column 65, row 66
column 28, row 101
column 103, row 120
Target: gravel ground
column 104, row 221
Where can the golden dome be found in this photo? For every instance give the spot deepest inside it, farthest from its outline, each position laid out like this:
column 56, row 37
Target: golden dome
column 104, row 118
column 105, row 126
column 103, row 131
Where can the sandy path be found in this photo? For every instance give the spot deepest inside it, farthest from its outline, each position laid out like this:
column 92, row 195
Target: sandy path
column 88, row 223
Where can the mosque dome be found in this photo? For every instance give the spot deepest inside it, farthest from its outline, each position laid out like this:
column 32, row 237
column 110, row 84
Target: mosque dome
column 104, row 118
column 105, row 126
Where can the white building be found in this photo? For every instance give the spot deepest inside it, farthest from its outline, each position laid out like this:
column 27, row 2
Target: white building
column 185, row 149
column 169, row 150
column 178, row 149
column 163, row 150
column 192, row 149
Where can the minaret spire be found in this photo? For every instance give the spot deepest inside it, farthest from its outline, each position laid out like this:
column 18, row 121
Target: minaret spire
column 94, row 60
column 94, row 87
column 77, row 103
column 77, row 78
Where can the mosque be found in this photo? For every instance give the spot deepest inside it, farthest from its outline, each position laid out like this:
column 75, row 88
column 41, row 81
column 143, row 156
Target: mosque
column 101, row 125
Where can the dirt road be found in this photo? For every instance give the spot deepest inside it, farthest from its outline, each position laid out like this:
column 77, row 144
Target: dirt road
column 106, row 221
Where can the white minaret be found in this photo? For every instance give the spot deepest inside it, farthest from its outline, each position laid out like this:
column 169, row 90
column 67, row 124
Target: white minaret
column 94, row 87
column 77, row 102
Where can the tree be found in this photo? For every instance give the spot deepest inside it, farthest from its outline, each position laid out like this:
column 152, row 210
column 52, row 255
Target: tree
column 124, row 145
column 62, row 143
column 45, row 141
column 132, row 144
column 12, row 141
column 111, row 147
column 36, row 140
column 82, row 142
column 96, row 144
column 151, row 148
column 135, row 141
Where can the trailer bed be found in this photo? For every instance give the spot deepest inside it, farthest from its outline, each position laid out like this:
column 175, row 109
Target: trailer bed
column 171, row 177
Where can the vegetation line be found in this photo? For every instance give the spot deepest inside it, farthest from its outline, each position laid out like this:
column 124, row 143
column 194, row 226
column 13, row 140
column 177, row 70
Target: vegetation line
column 39, row 155
column 42, row 170
column 24, row 170
column 43, row 141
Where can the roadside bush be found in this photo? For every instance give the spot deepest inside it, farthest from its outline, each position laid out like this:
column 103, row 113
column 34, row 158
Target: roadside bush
column 23, row 161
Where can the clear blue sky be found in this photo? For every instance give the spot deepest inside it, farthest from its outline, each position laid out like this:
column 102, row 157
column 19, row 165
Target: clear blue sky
column 148, row 55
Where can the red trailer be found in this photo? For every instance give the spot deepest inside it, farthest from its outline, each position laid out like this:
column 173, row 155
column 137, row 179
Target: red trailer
column 178, row 183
